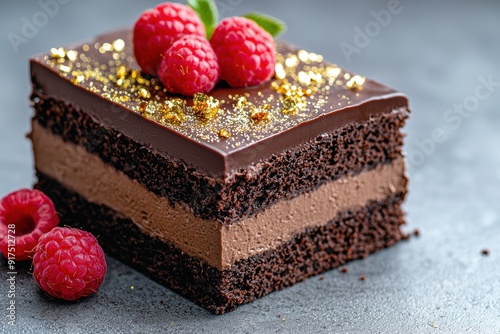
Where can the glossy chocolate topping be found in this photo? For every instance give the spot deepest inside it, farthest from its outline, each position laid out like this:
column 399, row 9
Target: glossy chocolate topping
column 89, row 80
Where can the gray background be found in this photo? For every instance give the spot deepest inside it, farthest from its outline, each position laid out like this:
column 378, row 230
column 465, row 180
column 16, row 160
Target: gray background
column 435, row 52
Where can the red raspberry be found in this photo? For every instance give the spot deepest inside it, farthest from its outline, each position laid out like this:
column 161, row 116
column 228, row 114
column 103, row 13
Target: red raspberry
column 69, row 263
column 157, row 29
column 190, row 66
column 25, row 214
column 246, row 52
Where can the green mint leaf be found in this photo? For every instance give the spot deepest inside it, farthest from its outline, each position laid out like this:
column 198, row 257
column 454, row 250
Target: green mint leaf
column 270, row 24
column 207, row 11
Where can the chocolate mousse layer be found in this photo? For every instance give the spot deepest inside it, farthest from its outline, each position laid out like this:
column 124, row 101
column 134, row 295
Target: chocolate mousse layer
column 352, row 234
column 218, row 245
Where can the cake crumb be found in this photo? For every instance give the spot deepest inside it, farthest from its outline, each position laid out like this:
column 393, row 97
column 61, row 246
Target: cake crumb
column 433, row 324
column 321, row 278
column 362, row 278
column 416, row 232
column 485, row 251
column 279, row 315
column 162, row 302
column 345, row 270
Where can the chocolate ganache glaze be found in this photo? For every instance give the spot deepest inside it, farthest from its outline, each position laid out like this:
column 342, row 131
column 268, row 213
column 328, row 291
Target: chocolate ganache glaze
column 307, row 97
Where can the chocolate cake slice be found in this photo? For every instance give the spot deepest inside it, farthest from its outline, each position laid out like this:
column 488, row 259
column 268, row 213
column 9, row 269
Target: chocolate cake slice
column 225, row 197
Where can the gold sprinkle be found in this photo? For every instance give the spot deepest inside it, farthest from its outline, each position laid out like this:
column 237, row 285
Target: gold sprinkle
column 134, row 74
column 333, row 72
column 72, row 55
column 119, row 45
column 172, row 111
column 86, row 47
column 315, row 76
column 241, row 102
column 289, row 105
column 58, row 53
column 144, row 93
column 315, row 58
column 121, row 71
column 307, row 92
column 64, row 68
column 205, row 107
column 106, row 47
column 347, row 76
column 292, row 61
column 303, row 55
column 123, row 98
column 280, row 71
column 304, row 78
column 259, row 114
column 142, row 107
column 356, row 82
column 283, row 89
column 150, row 109
column 224, row 134
column 78, row 79
column 141, row 80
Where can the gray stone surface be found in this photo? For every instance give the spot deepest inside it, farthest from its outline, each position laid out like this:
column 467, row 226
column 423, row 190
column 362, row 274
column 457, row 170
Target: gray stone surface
column 436, row 52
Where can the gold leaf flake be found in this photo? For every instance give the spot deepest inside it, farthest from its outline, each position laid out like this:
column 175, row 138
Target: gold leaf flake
column 205, row 107
column 119, row 45
column 224, row 134
column 72, row 55
column 356, row 82
column 58, row 53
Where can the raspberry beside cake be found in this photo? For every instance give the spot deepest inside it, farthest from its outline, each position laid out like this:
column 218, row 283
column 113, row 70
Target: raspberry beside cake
column 228, row 196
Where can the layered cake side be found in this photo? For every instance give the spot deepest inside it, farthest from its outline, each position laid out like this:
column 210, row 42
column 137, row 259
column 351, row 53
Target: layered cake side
column 230, row 196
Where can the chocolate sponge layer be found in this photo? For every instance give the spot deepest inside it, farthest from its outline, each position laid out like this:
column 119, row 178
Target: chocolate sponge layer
column 350, row 149
column 351, row 235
